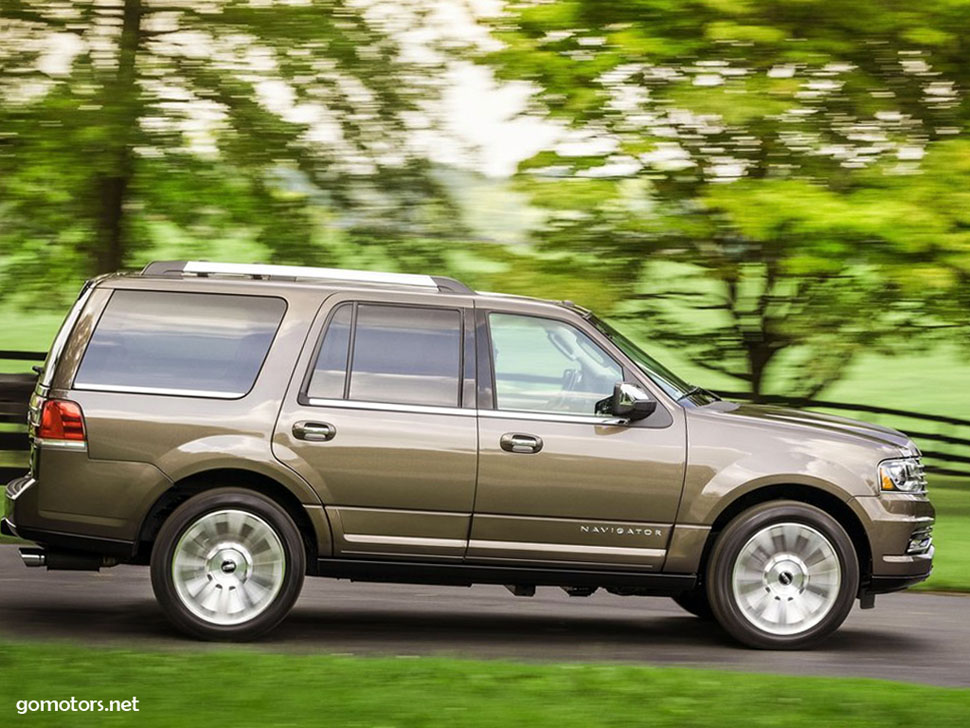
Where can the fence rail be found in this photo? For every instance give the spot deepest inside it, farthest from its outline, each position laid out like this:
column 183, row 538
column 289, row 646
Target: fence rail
column 22, row 355
column 15, row 392
column 949, row 455
column 946, row 459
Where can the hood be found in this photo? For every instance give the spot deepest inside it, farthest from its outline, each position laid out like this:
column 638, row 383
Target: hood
column 831, row 424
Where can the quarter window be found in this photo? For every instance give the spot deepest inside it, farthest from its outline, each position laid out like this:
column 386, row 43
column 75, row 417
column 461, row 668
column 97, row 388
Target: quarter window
column 330, row 372
column 543, row 365
column 180, row 343
column 397, row 354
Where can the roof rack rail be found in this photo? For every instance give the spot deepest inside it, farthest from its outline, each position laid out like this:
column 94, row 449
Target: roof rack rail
column 169, row 268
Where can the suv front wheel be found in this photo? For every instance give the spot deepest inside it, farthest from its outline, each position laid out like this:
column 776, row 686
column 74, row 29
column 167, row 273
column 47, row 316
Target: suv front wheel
column 783, row 575
column 228, row 564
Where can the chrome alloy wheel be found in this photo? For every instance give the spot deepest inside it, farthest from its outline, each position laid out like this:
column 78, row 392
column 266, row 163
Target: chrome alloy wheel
column 228, row 567
column 786, row 578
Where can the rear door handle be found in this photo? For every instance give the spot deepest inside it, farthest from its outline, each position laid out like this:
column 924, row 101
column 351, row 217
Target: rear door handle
column 314, row 431
column 518, row 442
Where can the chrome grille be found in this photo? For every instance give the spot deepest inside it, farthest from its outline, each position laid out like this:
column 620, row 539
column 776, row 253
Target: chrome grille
column 921, row 473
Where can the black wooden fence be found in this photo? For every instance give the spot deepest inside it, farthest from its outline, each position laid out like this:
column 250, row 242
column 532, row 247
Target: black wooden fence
column 945, row 441
column 15, row 392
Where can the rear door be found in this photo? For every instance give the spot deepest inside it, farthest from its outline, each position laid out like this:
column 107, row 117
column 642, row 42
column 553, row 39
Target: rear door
column 558, row 483
column 380, row 419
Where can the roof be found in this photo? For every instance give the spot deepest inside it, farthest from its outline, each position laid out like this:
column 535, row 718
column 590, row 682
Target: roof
column 306, row 274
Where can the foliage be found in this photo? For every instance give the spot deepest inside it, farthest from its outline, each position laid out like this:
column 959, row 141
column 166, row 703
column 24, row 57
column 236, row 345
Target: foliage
column 784, row 160
column 117, row 119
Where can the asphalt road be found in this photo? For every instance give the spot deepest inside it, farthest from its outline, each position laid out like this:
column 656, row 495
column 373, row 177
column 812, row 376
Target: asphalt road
column 911, row 637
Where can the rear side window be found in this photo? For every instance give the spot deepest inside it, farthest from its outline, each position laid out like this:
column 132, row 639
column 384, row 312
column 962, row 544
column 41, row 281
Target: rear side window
column 397, row 355
column 180, row 343
column 54, row 355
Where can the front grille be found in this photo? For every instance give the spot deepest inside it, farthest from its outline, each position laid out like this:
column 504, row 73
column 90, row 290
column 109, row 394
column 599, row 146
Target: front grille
column 921, row 473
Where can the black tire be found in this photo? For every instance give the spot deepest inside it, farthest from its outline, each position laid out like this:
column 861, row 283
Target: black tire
column 778, row 580
column 287, row 579
column 695, row 601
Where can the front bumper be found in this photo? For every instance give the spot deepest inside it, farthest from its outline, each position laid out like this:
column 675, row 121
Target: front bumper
column 887, row 584
column 899, row 527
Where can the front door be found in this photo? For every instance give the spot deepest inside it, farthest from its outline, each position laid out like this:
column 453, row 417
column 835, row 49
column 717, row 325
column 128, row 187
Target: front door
column 378, row 426
column 558, row 483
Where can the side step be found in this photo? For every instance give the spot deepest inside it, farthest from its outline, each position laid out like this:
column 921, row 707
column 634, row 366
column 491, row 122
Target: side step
column 576, row 580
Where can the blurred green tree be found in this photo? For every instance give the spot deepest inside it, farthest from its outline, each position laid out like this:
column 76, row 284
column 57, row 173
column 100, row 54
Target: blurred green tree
column 118, row 117
column 743, row 170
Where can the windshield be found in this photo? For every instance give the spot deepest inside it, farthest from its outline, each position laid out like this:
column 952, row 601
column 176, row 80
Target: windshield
column 665, row 379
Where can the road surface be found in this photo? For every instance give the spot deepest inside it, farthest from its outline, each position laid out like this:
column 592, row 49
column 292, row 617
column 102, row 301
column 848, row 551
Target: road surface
column 912, row 637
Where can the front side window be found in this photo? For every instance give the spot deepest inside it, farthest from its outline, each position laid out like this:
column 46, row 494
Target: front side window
column 396, row 355
column 180, row 343
column 543, row 365
column 673, row 385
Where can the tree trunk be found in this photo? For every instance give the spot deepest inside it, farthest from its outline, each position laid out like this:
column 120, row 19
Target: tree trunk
column 121, row 118
column 757, row 361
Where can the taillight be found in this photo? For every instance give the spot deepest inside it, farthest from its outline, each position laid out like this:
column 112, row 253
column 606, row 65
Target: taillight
column 61, row 420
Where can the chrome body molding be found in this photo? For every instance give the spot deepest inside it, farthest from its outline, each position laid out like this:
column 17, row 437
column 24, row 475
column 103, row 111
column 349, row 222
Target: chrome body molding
column 453, row 543
column 120, row 389
column 561, row 548
column 463, row 412
column 18, row 487
column 553, row 417
column 78, row 445
column 389, row 407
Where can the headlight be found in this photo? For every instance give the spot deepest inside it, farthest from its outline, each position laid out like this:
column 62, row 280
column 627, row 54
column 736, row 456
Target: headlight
column 903, row 474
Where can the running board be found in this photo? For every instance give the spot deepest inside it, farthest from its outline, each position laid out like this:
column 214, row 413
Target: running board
column 410, row 572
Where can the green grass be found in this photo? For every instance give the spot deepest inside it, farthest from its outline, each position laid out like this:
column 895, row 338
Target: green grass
column 23, row 331
column 247, row 688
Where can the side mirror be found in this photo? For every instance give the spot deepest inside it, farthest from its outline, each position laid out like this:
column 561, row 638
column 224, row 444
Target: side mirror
column 628, row 401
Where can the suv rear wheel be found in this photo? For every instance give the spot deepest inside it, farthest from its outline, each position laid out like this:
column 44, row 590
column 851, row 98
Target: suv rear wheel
column 783, row 575
column 228, row 564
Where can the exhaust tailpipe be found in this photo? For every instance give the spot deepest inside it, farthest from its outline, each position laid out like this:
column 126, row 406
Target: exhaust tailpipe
column 64, row 560
column 33, row 558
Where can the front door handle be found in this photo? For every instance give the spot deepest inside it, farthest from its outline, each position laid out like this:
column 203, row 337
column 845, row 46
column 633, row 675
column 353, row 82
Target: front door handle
column 518, row 442
column 314, row 431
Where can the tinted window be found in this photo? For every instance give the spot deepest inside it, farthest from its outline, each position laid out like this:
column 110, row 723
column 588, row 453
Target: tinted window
column 406, row 355
column 330, row 371
column 180, row 343
column 542, row 365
